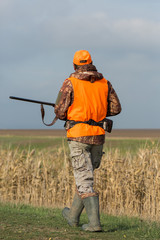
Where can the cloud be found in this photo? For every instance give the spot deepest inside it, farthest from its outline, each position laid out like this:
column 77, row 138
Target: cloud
column 55, row 24
column 31, row 29
column 38, row 40
column 138, row 32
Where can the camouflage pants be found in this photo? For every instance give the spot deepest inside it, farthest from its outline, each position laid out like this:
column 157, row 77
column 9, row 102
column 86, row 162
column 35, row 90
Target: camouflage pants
column 85, row 158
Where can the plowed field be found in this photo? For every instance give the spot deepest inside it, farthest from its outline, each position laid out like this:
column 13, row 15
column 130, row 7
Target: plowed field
column 120, row 133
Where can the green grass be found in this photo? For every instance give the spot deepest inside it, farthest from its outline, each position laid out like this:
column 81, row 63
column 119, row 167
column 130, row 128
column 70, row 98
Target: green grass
column 38, row 143
column 32, row 142
column 26, row 223
column 129, row 145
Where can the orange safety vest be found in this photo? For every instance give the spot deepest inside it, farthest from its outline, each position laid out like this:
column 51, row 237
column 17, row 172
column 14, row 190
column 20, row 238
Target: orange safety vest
column 90, row 102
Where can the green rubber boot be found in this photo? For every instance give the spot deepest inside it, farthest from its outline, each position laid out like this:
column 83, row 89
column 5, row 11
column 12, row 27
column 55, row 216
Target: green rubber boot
column 91, row 205
column 72, row 214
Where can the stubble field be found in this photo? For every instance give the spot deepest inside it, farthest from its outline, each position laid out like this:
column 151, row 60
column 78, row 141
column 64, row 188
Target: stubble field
column 35, row 169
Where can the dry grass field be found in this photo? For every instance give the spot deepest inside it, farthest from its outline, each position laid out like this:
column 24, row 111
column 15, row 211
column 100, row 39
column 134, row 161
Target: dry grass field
column 128, row 184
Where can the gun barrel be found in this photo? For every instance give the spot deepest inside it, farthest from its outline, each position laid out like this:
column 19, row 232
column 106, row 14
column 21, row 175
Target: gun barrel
column 32, row 101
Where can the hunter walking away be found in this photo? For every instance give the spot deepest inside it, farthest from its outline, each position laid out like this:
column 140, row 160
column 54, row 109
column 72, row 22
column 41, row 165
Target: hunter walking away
column 84, row 101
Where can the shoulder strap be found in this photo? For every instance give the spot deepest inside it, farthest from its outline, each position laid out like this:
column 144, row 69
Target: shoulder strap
column 43, row 114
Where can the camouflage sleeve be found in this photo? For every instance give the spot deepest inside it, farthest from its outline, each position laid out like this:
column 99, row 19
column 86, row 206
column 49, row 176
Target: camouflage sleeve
column 64, row 100
column 114, row 106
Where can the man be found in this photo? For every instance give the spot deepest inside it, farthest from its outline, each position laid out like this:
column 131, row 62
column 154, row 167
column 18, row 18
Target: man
column 84, row 101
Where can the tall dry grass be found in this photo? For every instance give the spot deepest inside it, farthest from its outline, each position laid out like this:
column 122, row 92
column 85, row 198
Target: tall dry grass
column 127, row 185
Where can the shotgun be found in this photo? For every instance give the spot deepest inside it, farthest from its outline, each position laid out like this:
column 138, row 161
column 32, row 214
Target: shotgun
column 107, row 123
column 42, row 108
column 32, row 101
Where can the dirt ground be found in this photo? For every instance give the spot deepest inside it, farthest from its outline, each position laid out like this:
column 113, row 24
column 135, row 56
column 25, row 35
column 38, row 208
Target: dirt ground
column 119, row 133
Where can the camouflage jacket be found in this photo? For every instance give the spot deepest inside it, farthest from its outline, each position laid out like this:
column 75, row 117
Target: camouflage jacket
column 66, row 96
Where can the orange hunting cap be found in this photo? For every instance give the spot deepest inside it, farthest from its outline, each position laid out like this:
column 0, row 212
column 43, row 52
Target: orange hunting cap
column 82, row 57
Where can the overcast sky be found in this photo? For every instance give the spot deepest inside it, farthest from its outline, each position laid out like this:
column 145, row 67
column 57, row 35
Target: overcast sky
column 38, row 39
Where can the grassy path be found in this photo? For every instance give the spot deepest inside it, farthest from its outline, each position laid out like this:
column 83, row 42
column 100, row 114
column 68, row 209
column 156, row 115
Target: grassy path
column 26, row 223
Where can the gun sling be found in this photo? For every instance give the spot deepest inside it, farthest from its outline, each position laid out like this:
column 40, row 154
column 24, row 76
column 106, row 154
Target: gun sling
column 43, row 114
